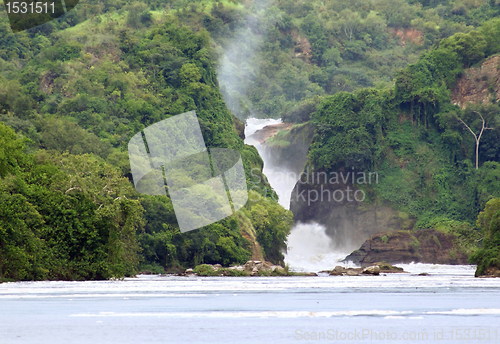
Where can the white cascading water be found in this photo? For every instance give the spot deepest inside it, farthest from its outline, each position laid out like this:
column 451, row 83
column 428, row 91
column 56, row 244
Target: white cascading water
column 309, row 247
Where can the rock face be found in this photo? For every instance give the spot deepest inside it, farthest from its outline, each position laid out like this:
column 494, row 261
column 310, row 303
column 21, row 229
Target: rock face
column 335, row 202
column 347, row 221
column 478, row 85
column 289, row 151
column 270, row 130
column 419, row 246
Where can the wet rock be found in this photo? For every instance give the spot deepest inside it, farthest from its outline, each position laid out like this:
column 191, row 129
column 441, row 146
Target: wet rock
column 249, row 265
column 372, row 270
column 388, row 268
column 278, row 268
column 338, row 271
column 352, row 272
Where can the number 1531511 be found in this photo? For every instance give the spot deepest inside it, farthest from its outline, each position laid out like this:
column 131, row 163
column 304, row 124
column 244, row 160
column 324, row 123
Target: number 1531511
column 33, row 7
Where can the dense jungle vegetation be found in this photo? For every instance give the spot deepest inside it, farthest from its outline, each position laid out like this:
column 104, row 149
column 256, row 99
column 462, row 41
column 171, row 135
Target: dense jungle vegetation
column 70, row 100
column 439, row 164
column 75, row 90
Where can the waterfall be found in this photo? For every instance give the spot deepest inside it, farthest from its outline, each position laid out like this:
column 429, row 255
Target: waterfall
column 309, row 247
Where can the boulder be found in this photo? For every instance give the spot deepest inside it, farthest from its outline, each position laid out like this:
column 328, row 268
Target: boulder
column 372, row 270
column 278, row 268
column 263, row 266
column 388, row 268
column 338, row 271
column 249, row 265
column 352, row 272
column 492, row 271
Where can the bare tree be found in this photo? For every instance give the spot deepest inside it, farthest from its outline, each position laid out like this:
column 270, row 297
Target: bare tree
column 477, row 138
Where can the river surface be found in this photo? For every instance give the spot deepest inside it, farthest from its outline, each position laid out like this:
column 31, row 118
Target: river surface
column 448, row 305
column 338, row 309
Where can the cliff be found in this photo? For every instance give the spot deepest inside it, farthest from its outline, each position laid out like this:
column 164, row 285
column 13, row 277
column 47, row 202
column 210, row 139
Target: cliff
column 419, row 246
column 289, row 145
column 339, row 204
column 479, row 84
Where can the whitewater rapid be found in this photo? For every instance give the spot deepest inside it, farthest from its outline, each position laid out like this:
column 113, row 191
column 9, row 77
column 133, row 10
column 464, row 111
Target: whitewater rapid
column 309, row 247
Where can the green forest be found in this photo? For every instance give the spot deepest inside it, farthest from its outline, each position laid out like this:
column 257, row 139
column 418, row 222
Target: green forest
column 372, row 77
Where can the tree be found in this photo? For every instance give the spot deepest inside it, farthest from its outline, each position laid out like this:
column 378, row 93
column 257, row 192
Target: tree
column 138, row 13
column 488, row 256
column 470, row 46
column 90, row 177
column 477, row 137
column 344, row 133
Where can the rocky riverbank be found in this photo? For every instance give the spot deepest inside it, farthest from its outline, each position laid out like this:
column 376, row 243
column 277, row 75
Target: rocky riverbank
column 263, row 268
column 250, row 268
column 418, row 245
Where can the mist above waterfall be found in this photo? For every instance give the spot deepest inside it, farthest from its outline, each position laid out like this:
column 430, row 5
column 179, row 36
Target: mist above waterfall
column 239, row 64
column 309, row 247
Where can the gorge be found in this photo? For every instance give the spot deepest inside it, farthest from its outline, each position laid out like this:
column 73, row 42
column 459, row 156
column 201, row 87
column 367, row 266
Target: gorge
column 309, row 247
column 332, row 229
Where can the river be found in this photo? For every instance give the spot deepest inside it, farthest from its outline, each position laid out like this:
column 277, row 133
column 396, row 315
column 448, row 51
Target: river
column 447, row 305
column 339, row 309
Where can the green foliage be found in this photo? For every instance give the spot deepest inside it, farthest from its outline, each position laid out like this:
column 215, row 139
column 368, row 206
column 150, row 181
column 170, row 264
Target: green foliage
column 331, row 46
column 272, row 224
column 344, row 133
column 470, row 46
column 301, row 112
column 11, row 150
column 488, row 255
column 412, row 136
column 67, row 217
column 82, row 86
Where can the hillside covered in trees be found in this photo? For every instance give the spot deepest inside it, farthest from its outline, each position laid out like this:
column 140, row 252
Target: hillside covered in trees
column 438, row 162
column 71, row 99
column 75, row 90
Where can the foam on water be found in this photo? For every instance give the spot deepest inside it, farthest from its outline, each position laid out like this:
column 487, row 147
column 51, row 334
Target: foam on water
column 310, row 249
column 254, row 124
column 262, row 314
